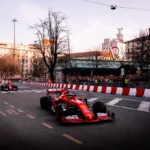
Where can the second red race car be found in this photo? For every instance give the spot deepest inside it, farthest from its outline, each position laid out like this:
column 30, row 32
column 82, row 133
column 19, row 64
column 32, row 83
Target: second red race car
column 68, row 108
column 9, row 87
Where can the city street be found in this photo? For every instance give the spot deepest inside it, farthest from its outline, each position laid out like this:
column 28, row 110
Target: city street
column 24, row 125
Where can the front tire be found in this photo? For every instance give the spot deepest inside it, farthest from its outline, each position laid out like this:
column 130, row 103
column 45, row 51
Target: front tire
column 2, row 88
column 99, row 107
column 59, row 115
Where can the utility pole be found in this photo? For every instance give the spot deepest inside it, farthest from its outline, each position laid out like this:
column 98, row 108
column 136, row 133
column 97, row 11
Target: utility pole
column 69, row 54
column 14, row 20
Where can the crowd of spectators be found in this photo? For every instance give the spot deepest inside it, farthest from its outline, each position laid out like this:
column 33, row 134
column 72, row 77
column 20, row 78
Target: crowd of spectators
column 108, row 78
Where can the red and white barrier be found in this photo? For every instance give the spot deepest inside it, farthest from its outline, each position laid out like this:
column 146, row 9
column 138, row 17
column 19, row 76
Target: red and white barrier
column 4, row 81
column 141, row 92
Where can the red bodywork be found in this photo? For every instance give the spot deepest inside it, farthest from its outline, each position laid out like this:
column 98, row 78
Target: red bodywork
column 73, row 100
column 10, row 86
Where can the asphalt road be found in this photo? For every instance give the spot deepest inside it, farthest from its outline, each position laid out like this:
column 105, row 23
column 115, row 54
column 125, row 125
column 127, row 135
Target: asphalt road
column 24, row 126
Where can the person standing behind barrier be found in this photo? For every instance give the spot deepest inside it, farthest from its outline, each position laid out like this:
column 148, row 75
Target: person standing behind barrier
column 96, row 81
column 126, row 81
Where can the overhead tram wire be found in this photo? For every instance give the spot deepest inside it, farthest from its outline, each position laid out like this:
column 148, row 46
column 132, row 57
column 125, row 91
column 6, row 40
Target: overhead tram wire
column 113, row 7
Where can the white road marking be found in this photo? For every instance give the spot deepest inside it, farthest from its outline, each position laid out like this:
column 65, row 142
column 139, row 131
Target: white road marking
column 23, row 87
column 20, row 110
column 92, row 99
column 37, row 91
column 5, row 103
column 4, row 92
column 30, row 116
column 128, row 108
column 20, row 91
column 2, row 113
column 43, row 90
column 144, row 106
column 12, row 112
column 114, row 101
column 12, row 106
column 12, row 92
column 72, row 139
column 27, row 91
column 47, row 125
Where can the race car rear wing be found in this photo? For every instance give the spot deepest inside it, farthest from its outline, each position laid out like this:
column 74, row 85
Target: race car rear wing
column 52, row 91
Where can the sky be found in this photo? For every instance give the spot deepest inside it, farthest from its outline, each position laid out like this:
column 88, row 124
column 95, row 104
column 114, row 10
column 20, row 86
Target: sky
column 89, row 23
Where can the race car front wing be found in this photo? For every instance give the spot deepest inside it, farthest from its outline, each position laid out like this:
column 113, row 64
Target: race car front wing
column 100, row 117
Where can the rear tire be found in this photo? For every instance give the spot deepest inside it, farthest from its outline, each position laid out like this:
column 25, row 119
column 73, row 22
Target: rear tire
column 44, row 102
column 99, row 107
column 2, row 88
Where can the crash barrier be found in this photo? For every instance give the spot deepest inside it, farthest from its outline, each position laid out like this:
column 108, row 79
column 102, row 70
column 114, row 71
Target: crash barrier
column 141, row 92
column 4, row 81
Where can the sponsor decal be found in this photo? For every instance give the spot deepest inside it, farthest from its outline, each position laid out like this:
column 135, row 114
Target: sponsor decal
column 72, row 117
column 101, row 114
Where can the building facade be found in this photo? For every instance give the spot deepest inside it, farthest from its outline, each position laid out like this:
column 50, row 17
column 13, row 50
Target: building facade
column 94, row 55
column 138, row 45
column 24, row 55
column 115, row 46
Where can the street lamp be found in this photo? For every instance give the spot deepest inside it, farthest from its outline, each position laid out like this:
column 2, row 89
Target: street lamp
column 22, row 66
column 14, row 20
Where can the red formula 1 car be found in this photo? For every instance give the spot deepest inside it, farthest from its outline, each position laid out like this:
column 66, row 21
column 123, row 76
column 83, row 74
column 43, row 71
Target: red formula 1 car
column 9, row 87
column 70, row 109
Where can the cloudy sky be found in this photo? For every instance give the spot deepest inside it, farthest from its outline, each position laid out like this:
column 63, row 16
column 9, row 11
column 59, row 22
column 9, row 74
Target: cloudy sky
column 89, row 23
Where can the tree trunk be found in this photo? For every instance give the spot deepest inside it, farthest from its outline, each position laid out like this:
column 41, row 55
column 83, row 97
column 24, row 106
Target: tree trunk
column 51, row 73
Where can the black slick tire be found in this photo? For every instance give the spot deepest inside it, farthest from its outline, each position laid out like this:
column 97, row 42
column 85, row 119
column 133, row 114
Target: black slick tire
column 99, row 107
column 59, row 115
column 2, row 88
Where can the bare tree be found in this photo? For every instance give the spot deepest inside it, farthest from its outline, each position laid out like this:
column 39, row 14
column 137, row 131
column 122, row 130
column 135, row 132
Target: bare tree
column 52, row 39
column 9, row 66
column 140, row 52
column 38, row 67
column 94, row 55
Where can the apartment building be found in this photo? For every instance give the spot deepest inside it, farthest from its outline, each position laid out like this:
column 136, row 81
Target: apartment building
column 23, row 53
column 137, row 45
